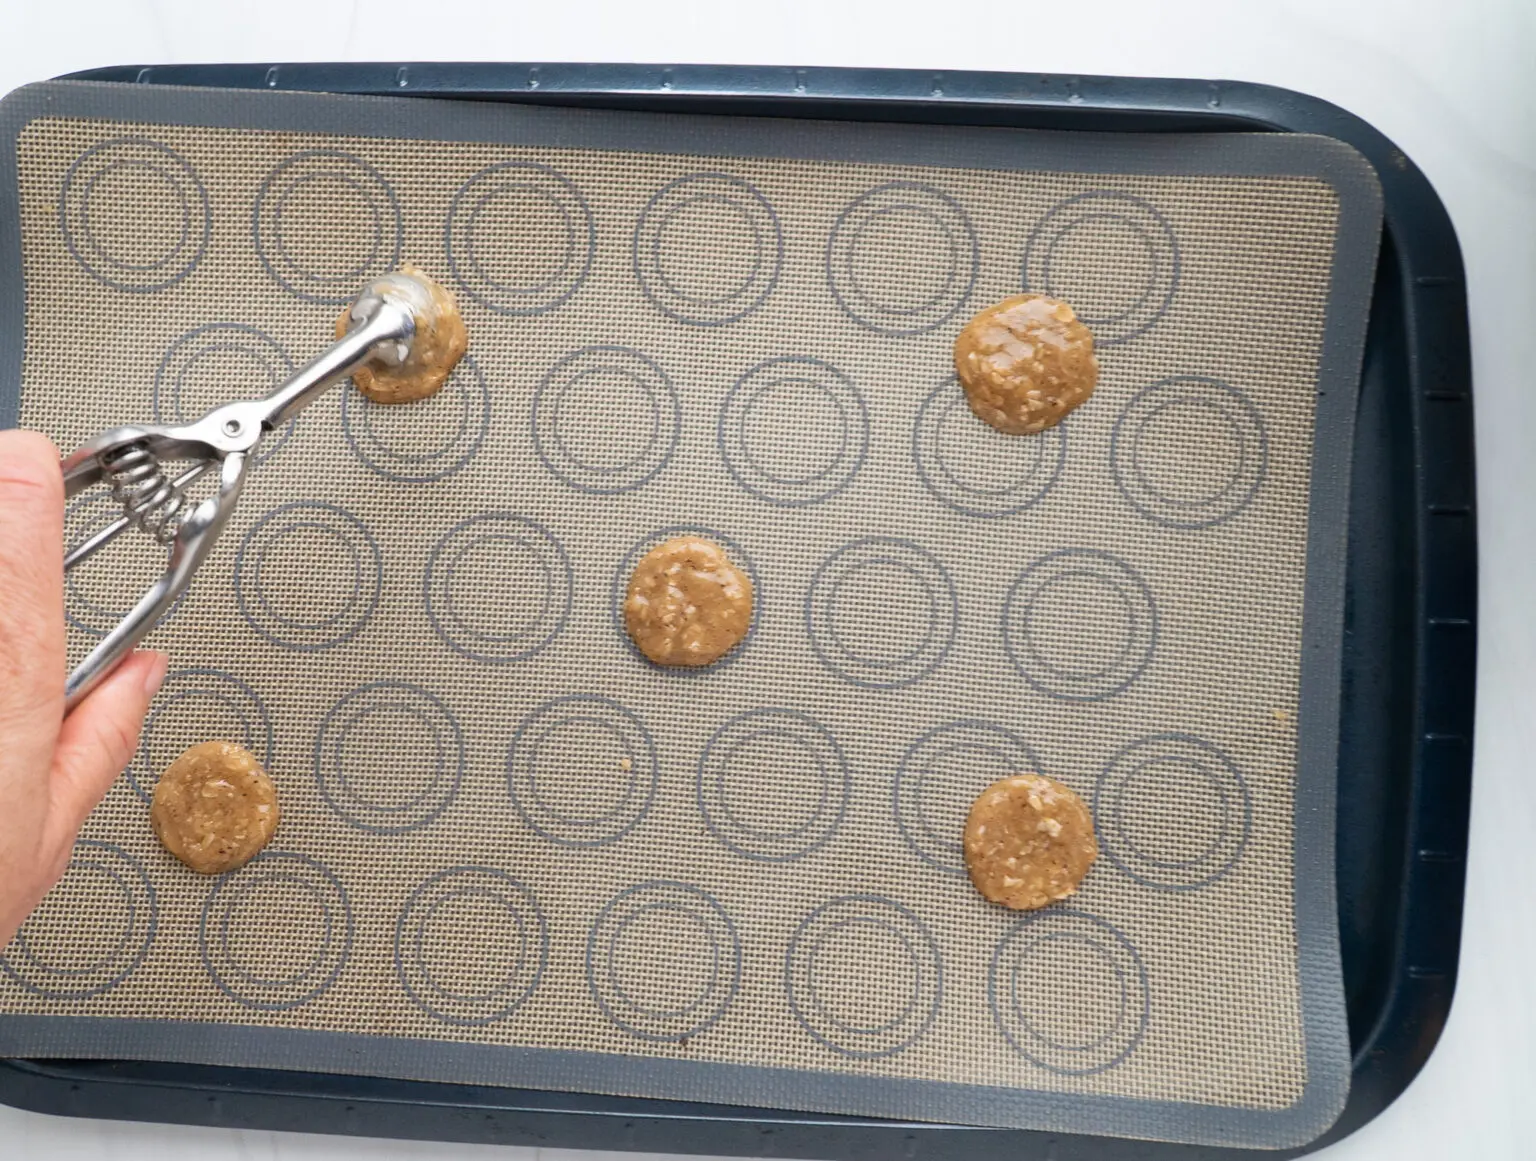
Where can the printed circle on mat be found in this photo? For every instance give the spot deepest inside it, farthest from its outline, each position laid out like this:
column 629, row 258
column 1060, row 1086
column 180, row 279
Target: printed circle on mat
column 582, row 770
column 97, row 596
column 277, row 934
column 663, row 960
column 1189, row 451
column 1069, row 992
column 1112, row 256
column 940, row 776
column 605, row 419
column 498, row 587
column 881, row 612
column 974, row 468
column 134, row 214
column 324, row 222
column 793, row 431
column 902, row 258
column 520, row 238
column 389, row 757
column 773, row 784
column 470, row 945
column 836, row 996
column 1079, row 624
column 308, row 575
column 619, row 587
column 426, row 440
column 1173, row 812
column 708, row 249
column 198, row 705
column 91, row 931
column 204, row 365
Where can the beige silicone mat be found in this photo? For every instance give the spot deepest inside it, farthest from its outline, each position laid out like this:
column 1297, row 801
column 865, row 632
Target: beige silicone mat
column 513, row 852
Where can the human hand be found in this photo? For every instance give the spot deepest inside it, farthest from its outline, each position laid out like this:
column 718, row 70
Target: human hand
column 53, row 770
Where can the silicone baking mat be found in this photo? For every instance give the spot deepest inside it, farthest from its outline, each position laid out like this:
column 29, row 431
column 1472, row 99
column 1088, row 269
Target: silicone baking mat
column 512, row 851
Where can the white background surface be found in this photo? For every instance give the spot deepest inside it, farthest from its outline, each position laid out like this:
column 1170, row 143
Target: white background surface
column 1451, row 84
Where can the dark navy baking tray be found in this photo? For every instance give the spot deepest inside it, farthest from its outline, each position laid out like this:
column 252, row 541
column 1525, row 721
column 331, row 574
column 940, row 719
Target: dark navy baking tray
column 1409, row 654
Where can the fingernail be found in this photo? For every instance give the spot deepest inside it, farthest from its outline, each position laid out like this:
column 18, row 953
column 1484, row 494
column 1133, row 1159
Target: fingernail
column 156, row 674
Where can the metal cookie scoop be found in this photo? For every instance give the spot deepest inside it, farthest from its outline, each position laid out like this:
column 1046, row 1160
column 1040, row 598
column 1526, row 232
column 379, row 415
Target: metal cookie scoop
column 385, row 320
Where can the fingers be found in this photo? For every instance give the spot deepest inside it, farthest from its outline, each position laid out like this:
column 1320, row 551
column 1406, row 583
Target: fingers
column 31, row 577
column 31, row 616
column 99, row 739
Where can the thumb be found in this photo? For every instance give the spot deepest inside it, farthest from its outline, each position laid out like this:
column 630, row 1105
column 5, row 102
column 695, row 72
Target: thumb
column 98, row 740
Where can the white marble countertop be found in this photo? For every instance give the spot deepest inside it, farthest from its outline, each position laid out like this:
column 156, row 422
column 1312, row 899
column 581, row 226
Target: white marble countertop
column 1455, row 87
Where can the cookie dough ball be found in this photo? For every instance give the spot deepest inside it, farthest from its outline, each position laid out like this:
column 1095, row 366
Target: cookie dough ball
column 439, row 344
column 687, row 604
column 214, row 807
column 1025, row 363
column 1028, row 841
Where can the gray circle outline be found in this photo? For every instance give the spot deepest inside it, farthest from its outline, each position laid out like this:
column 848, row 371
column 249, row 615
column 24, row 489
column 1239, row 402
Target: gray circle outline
column 545, row 182
column 1231, row 791
column 811, row 1011
column 522, row 777
column 710, row 917
column 1144, row 220
column 266, row 227
column 1129, row 970
column 334, row 536
column 837, row 784
column 341, row 524
column 347, row 801
column 664, row 204
column 1148, row 405
column 95, row 243
column 31, row 973
column 943, row 602
column 749, row 389
column 848, row 228
column 1126, row 583
column 352, row 275
column 476, row 644
column 949, row 489
column 650, row 378
column 178, row 168
column 231, row 889
column 414, row 973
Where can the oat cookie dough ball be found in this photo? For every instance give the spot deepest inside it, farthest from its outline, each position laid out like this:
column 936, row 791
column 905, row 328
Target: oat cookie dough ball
column 214, row 807
column 687, row 603
column 435, row 351
column 1028, row 841
column 1025, row 363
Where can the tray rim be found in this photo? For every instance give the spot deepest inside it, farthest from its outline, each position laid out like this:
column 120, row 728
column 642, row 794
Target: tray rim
column 1437, row 366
